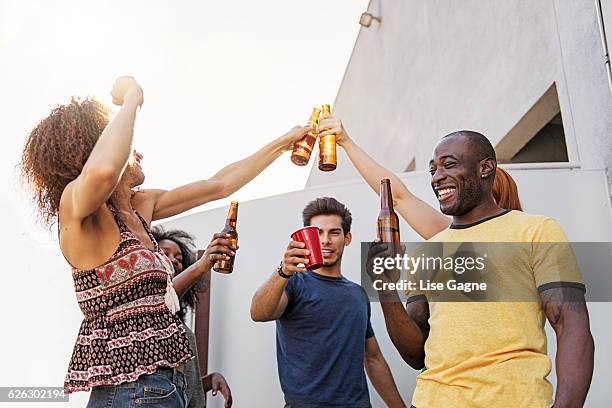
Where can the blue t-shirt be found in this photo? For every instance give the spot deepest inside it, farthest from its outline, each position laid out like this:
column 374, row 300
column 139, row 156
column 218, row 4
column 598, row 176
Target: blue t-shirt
column 320, row 342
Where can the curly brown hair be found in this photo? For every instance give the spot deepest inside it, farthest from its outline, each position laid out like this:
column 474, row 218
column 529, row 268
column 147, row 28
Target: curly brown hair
column 57, row 149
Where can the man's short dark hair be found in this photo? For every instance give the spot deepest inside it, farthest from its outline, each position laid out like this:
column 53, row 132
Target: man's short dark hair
column 328, row 206
column 478, row 141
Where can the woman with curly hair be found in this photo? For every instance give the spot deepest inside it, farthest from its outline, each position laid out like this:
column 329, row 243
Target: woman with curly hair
column 83, row 171
column 179, row 247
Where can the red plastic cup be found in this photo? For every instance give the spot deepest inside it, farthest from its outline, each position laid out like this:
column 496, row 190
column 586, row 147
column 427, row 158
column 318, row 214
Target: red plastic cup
column 310, row 237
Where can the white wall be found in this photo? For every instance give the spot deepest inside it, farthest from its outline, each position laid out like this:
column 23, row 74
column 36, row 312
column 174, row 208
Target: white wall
column 244, row 351
column 433, row 67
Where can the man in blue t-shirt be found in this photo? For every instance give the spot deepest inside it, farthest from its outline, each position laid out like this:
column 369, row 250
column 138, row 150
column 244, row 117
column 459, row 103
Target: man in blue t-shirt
column 323, row 333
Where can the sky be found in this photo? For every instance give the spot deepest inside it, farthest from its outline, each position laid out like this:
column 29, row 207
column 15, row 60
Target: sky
column 221, row 79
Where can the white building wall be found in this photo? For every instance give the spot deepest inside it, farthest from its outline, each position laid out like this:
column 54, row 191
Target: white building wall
column 433, row 67
column 244, row 351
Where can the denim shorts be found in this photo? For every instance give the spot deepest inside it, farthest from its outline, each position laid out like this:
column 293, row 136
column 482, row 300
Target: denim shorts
column 164, row 388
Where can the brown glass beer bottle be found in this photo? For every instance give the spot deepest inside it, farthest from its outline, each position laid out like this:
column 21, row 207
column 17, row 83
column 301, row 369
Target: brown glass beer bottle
column 302, row 149
column 227, row 265
column 388, row 222
column 327, row 146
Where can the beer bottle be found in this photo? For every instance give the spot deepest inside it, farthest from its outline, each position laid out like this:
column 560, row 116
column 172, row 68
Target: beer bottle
column 327, row 147
column 388, row 222
column 302, row 149
column 227, row 265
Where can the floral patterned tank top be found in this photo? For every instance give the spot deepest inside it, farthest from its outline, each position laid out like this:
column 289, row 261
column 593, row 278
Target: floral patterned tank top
column 128, row 330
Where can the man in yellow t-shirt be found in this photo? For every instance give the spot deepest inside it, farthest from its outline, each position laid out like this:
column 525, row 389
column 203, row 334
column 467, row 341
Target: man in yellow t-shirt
column 493, row 354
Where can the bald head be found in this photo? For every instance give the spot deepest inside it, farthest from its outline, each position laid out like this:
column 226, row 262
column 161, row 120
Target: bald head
column 478, row 143
column 462, row 169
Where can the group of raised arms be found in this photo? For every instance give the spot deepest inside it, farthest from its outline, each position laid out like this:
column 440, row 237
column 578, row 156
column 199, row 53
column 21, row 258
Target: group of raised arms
column 134, row 283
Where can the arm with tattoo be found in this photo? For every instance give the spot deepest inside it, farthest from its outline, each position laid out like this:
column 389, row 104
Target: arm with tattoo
column 567, row 313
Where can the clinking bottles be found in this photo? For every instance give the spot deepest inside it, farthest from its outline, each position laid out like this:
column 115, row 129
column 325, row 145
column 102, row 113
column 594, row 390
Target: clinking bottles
column 303, row 148
column 227, row 265
column 388, row 222
column 327, row 147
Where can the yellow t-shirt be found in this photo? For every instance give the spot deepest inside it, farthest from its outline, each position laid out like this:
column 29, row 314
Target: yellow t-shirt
column 493, row 354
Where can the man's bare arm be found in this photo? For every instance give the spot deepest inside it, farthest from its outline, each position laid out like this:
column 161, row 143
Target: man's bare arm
column 566, row 310
column 270, row 300
column 380, row 374
column 408, row 328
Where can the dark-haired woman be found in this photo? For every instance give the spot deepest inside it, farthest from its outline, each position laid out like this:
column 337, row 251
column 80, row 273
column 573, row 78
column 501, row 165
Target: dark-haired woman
column 83, row 170
column 179, row 247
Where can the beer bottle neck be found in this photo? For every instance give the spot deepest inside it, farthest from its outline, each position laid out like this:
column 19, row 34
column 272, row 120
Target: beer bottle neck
column 232, row 216
column 386, row 200
column 314, row 117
